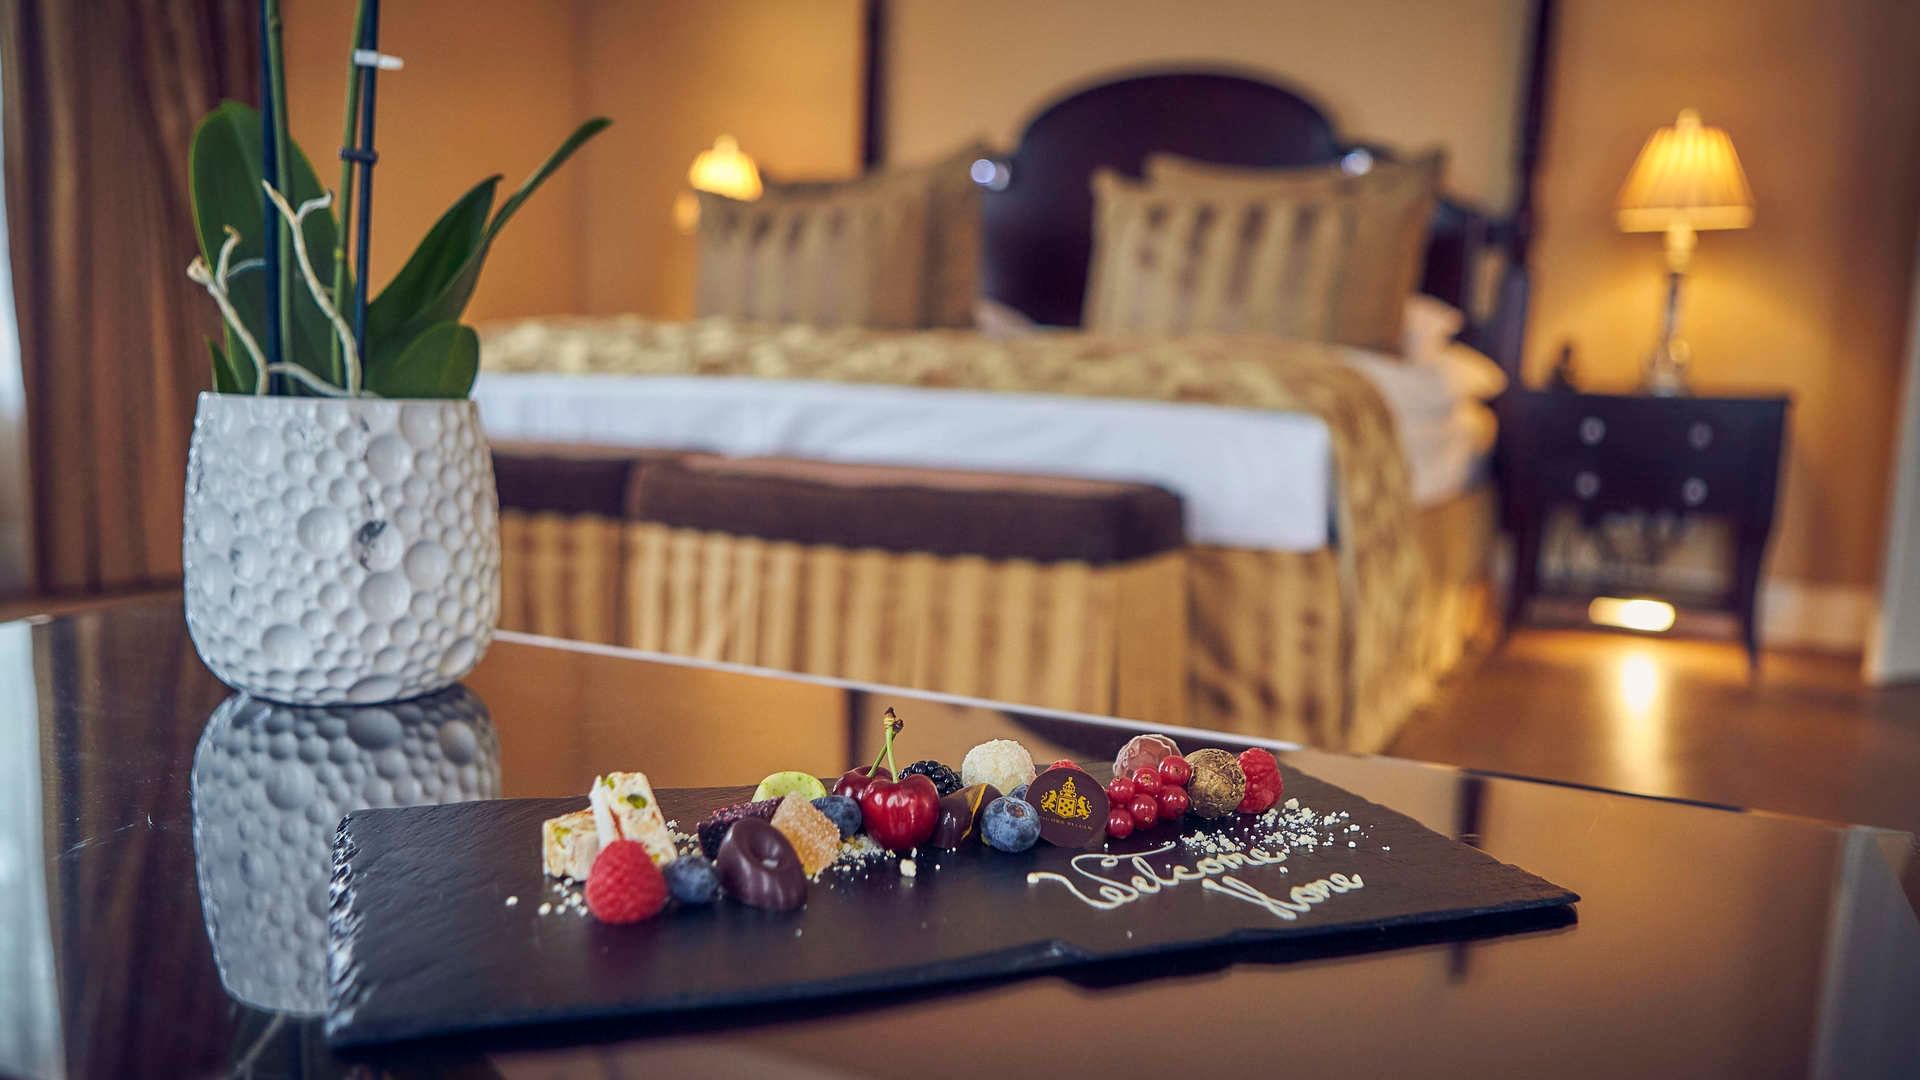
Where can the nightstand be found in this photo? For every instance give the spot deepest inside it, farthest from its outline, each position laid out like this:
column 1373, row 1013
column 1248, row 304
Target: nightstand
column 1604, row 453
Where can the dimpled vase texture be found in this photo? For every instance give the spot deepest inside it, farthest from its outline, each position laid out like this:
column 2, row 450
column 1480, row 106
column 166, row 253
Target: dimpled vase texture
column 340, row 552
column 270, row 785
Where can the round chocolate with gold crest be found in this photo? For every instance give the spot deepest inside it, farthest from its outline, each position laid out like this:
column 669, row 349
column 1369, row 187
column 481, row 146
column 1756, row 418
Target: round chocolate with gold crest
column 1072, row 807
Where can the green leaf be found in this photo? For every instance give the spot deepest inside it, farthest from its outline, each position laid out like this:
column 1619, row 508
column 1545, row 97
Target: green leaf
column 439, row 363
column 451, row 301
column 443, row 253
column 547, row 168
column 223, row 173
column 225, row 379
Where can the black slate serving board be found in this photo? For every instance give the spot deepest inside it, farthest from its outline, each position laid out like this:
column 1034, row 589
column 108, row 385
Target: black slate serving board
column 422, row 944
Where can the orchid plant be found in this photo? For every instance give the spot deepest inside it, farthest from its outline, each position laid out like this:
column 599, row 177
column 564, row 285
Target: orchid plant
column 255, row 196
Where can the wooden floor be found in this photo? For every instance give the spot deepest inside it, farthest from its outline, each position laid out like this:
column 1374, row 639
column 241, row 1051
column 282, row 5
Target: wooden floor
column 1680, row 718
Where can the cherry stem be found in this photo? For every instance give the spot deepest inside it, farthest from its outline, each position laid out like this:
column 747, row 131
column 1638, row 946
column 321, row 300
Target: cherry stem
column 892, row 724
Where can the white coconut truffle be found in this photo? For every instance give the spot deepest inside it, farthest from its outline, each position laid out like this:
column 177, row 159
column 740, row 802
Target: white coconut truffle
column 1002, row 762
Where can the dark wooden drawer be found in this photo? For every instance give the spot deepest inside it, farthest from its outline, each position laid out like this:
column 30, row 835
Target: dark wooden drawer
column 1684, row 432
column 1608, row 483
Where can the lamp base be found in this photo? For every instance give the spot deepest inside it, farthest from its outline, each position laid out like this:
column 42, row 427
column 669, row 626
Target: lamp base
column 1666, row 371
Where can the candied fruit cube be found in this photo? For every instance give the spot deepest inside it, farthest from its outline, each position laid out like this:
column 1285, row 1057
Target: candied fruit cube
column 814, row 836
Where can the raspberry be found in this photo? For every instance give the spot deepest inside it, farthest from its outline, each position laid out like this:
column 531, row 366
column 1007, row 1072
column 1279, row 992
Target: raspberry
column 1263, row 781
column 625, row 886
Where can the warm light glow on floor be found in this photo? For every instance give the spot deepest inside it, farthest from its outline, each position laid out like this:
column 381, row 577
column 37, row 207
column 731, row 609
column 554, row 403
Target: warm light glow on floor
column 1649, row 616
column 1639, row 685
column 1640, row 725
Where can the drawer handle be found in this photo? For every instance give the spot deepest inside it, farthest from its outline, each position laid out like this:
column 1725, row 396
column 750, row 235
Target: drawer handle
column 1694, row 491
column 1592, row 430
column 1586, row 484
column 1700, row 435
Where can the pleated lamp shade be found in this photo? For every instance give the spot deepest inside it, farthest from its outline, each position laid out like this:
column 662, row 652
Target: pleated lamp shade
column 1687, row 175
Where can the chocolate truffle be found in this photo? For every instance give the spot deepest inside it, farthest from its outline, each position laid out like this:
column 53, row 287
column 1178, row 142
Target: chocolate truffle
column 1071, row 805
column 1143, row 752
column 757, row 867
column 960, row 814
column 1218, row 784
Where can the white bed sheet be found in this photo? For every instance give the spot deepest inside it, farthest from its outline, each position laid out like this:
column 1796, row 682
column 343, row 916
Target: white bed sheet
column 1249, row 478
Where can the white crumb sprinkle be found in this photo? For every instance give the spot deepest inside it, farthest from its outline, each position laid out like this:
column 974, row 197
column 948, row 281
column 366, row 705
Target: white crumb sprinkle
column 513, row 901
column 1388, row 847
column 1292, row 804
column 546, row 909
column 908, row 868
column 1350, row 843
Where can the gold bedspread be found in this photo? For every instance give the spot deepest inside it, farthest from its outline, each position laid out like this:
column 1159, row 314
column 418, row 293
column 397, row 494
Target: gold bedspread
column 1378, row 563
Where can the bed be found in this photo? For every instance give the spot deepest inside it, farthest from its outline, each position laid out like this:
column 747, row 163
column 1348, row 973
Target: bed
column 1337, row 528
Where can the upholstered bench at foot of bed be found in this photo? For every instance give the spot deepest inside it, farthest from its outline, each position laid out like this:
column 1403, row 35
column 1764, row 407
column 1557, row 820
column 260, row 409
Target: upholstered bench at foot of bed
column 1061, row 593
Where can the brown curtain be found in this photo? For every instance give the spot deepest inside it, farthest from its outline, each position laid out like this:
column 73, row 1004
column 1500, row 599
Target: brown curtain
column 100, row 104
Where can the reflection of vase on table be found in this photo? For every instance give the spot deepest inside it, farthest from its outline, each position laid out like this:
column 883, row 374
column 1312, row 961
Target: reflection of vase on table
column 270, row 785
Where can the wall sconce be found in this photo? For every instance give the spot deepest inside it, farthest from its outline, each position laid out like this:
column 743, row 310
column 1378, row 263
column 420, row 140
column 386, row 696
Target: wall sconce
column 724, row 169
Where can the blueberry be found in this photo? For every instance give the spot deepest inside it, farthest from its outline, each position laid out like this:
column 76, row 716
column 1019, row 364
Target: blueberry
column 1018, row 793
column 1010, row 824
column 691, row 880
column 842, row 811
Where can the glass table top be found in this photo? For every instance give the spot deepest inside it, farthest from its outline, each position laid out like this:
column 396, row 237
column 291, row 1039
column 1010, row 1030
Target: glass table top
column 163, row 852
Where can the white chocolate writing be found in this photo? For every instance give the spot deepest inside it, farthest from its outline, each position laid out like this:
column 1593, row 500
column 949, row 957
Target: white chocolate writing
column 1110, row 890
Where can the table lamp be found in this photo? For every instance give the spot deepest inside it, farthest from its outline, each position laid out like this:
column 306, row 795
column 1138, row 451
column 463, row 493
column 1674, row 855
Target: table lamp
column 1687, row 178
column 724, row 169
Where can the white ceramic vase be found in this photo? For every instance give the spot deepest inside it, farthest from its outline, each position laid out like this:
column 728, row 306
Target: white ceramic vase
column 270, row 785
column 340, row 551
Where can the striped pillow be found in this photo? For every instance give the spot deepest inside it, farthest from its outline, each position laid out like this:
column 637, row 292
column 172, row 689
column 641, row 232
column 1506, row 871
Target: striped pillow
column 898, row 250
column 1310, row 254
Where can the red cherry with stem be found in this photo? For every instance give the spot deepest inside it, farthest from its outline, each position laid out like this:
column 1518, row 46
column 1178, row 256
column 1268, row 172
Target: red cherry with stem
column 1175, row 771
column 1147, row 780
column 1174, row 803
column 1120, row 791
column 1119, row 822
column 900, row 815
column 1145, row 810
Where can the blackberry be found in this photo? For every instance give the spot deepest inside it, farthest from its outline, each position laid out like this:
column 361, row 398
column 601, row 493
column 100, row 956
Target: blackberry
column 714, row 829
column 943, row 777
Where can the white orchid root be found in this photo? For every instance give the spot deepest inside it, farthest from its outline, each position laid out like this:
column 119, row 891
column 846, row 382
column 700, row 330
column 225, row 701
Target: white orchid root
column 294, row 219
column 215, row 282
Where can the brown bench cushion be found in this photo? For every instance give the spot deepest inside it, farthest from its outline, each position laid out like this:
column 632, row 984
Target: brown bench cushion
column 941, row 512
column 561, row 478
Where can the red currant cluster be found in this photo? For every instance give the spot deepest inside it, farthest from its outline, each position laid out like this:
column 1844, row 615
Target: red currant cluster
column 1148, row 797
column 1151, row 796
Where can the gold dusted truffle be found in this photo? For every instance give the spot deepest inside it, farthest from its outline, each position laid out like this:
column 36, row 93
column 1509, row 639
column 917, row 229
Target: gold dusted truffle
column 1218, row 783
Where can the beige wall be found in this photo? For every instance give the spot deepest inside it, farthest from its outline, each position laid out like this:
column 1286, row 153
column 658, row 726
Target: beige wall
column 1407, row 75
column 1822, row 102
